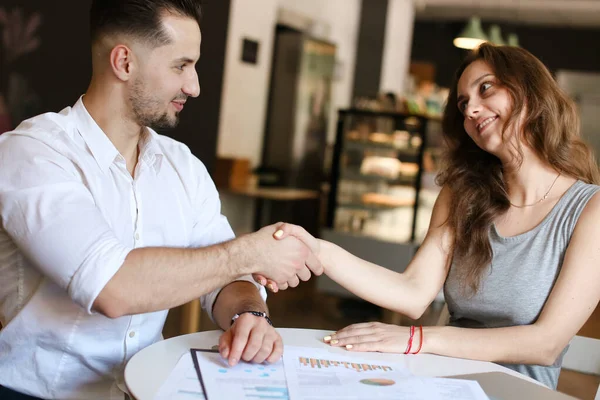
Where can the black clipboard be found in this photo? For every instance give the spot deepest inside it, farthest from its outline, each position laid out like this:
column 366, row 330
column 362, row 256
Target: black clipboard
column 197, row 367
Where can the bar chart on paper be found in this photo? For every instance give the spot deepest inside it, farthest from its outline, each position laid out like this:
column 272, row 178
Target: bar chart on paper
column 244, row 381
column 315, row 363
column 257, row 381
column 317, row 374
column 266, row 392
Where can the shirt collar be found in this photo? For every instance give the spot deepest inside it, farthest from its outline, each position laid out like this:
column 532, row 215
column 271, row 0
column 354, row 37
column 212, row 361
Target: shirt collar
column 104, row 151
column 150, row 150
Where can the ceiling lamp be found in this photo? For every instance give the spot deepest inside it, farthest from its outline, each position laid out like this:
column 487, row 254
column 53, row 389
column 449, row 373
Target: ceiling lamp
column 513, row 40
column 496, row 36
column 472, row 36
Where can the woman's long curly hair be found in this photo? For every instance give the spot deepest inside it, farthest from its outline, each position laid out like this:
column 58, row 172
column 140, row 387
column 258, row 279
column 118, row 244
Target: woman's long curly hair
column 550, row 127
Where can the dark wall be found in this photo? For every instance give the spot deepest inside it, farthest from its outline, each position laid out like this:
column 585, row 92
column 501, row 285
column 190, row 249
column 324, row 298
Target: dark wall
column 369, row 52
column 199, row 123
column 54, row 75
column 57, row 72
column 558, row 48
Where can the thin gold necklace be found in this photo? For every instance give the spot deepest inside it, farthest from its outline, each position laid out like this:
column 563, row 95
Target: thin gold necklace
column 540, row 200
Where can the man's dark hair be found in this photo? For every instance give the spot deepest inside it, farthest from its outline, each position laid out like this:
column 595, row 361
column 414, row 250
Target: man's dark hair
column 139, row 18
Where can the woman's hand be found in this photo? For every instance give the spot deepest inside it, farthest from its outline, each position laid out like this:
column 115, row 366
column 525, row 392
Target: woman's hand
column 281, row 232
column 375, row 336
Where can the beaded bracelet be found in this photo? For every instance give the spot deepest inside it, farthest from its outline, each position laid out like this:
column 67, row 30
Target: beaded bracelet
column 255, row 313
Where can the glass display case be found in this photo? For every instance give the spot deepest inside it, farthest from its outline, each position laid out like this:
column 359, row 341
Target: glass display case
column 382, row 180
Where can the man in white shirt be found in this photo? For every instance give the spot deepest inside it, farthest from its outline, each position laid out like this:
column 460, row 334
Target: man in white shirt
column 105, row 225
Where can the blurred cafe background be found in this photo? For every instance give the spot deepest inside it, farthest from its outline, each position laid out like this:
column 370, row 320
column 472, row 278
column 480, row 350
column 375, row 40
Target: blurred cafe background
column 323, row 113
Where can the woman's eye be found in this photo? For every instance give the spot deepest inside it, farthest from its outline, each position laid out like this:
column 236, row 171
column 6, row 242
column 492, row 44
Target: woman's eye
column 485, row 86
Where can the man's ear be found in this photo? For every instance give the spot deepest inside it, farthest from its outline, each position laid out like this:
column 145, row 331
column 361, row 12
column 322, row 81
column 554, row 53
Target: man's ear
column 122, row 62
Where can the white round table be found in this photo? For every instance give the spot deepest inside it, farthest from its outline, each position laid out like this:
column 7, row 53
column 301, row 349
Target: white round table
column 148, row 369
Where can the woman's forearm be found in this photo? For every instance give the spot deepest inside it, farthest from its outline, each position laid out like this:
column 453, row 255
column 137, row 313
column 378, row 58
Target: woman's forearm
column 526, row 344
column 378, row 285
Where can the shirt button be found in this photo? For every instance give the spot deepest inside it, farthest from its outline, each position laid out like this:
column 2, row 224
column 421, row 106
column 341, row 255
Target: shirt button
column 137, row 236
column 131, row 334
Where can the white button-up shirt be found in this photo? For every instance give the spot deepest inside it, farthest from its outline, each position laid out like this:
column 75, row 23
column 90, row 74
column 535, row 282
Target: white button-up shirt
column 70, row 212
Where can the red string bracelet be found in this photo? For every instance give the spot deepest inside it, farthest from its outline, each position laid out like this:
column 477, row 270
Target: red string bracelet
column 421, row 341
column 410, row 339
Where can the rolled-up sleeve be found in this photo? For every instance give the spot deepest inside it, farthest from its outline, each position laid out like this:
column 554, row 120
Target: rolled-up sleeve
column 51, row 216
column 211, row 227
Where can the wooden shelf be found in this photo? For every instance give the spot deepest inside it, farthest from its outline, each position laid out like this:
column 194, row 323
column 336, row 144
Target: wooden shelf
column 359, row 145
column 371, row 113
column 373, row 206
column 273, row 193
column 355, row 175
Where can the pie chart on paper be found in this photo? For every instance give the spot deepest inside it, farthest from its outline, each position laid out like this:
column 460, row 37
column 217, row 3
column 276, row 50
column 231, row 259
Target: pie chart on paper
column 377, row 382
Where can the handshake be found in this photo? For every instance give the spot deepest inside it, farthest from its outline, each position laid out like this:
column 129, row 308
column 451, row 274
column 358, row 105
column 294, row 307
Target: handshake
column 283, row 255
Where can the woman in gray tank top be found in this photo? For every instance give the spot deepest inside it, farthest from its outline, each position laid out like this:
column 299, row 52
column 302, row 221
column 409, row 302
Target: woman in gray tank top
column 513, row 238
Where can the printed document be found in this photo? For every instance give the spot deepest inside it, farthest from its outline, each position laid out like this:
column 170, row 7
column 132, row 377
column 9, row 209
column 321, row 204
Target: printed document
column 318, row 374
column 243, row 381
column 182, row 383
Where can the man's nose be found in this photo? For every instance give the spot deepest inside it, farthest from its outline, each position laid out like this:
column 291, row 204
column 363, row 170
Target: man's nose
column 192, row 86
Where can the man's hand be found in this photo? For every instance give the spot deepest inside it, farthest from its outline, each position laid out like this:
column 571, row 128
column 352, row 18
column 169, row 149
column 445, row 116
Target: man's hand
column 284, row 230
column 251, row 339
column 282, row 262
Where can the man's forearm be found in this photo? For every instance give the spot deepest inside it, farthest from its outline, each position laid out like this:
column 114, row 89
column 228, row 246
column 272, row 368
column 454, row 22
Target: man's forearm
column 153, row 279
column 235, row 298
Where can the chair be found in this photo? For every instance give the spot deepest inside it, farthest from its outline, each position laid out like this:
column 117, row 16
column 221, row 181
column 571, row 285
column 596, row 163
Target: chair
column 190, row 317
column 583, row 355
column 444, row 317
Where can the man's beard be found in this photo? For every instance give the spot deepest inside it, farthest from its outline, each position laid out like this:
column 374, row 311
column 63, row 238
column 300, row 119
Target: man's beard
column 144, row 110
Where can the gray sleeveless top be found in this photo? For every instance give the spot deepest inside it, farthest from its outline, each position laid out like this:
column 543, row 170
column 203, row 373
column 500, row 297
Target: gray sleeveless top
column 522, row 274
